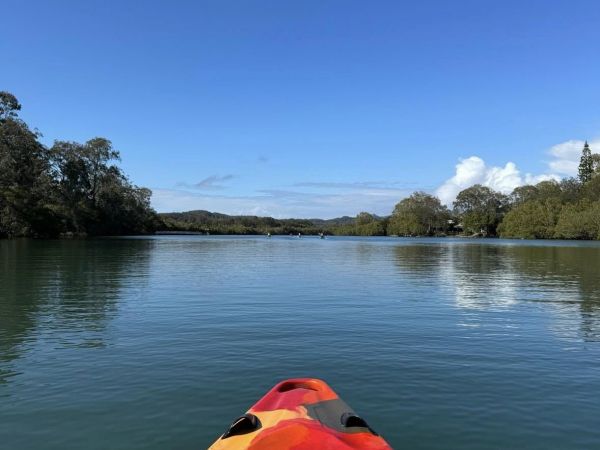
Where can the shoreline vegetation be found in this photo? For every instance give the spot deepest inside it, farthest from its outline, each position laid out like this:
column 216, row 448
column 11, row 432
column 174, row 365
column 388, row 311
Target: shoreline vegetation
column 73, row 190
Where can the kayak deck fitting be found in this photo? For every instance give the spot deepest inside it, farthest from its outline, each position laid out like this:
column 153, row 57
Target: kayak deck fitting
column 300, row 414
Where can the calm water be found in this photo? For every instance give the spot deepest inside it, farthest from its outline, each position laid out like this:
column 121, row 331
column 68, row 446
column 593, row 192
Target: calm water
column 158, row 343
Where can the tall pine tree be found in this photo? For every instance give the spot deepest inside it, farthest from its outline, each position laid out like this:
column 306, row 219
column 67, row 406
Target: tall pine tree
column 586, row 164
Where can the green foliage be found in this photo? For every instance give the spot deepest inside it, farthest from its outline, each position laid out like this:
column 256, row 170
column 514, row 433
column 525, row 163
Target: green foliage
column 364, row 218
column 420, row 214
column 570, row 190
column 523, row 194
column 565, row 210
column 70, row 188
column 480, row 209
column 95, row 196
column 580, row 220
column 591, row 190
column 586, row 164
column 596, row 163
column 9, row 105
column 533, row 219
column 548, row 189
column 376, row 228
column 364, row 224
column 567, row 190
column 24, row 176
column 215, row 223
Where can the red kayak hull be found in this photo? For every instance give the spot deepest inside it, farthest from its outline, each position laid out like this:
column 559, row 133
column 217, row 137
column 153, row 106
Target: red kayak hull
column 300, row 414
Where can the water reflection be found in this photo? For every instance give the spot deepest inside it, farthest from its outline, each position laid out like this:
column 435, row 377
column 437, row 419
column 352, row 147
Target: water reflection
column 568, row 278
column 64, row 292
column 495, row 277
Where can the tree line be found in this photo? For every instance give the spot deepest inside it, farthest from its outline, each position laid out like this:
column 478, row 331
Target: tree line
column 566, row 209
column 201, row 221
column 73, row 188
column 68, row 188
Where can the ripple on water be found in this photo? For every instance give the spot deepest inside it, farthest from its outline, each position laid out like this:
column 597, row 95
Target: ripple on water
column 160, row 342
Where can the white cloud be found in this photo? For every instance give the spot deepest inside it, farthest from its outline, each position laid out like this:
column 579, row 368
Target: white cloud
column 473, row 170
column 566, row 157
column 503, row 179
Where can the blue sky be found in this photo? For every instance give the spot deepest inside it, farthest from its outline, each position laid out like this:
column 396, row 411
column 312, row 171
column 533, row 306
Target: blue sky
column 312, row 108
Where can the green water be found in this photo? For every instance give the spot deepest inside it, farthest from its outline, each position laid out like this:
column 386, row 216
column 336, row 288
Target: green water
column 158, row 343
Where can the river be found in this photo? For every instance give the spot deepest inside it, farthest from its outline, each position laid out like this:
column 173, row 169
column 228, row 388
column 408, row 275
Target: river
column 159, row 342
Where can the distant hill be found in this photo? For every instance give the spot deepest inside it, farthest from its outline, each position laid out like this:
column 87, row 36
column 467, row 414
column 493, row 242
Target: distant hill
column 344, row 220
column 217, row 223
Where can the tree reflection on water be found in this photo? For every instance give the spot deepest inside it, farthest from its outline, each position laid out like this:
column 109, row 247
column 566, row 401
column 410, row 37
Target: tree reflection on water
column 71, row 287
column 488, row 276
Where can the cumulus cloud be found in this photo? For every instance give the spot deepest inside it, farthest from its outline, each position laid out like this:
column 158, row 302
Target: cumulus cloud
column 564, row 161
column 473, row 170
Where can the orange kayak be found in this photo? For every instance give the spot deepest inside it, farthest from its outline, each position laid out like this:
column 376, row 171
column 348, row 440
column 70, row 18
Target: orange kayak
column 300, row 414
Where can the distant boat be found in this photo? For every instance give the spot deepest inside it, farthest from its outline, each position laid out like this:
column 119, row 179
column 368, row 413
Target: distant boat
column 299, row 235
column 321, row 236
column 268, row 235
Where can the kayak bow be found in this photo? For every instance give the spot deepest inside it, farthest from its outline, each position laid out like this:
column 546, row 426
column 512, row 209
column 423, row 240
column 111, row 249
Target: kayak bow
column 300, row 414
